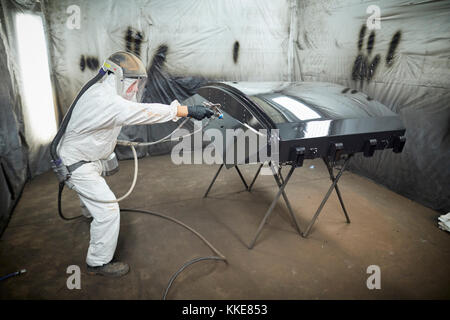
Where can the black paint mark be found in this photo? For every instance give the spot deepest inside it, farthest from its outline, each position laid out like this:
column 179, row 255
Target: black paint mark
column 162, row 87
column 90, row 62
column 392, row 47
column 160, row 56
column 129, row 40
column 345, row 90
column 137, row 43
column 364, row 67
column 370, row 42
column 360, row 68
column 353, row 91
column 362, row 33
column 133, row 41
column 236, row 51
column 82, row 63
column 372, row 67
column 369, row 98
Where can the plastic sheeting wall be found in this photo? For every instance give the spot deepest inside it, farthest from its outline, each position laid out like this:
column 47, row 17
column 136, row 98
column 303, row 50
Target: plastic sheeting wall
column 405, row 65
column 13, row 160
column 184, row 43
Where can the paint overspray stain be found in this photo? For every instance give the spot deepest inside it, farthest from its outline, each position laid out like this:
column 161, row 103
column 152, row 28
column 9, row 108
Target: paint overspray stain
column 362, row 33
column 372, row 67
column 392, row 48
column 133, row 41
column 160, row 56
column 82, row 63
column 236, row 51
column 364, row 67
column 90, row 62
column 162, row 87
column 370, row 42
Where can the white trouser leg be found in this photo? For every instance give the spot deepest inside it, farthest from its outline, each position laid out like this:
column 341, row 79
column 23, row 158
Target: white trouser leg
column 84, row 211
column 106, row 223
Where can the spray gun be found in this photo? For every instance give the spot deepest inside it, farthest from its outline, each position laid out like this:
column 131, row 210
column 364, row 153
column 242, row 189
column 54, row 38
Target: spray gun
column 215, row 107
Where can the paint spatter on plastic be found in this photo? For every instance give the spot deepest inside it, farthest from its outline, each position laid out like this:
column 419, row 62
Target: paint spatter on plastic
column 345, row 90
column 160, row 56
column 353, row 91
column 236, row 51
column 392, row 48
column 82, row 63
column 92, row 63
column 89, row 62
column 362, row 33
column 133, row 41
column 364, row 67
column 137, row 43
column 129, row 40
column 359, row 68
column 163, row 87
column 372, row 67
column 370, row 42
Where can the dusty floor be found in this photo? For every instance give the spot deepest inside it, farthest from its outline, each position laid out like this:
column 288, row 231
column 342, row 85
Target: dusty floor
column 388, row 230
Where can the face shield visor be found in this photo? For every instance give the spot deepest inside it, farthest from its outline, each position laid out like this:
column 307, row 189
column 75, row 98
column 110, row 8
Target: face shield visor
column 133, row 88
column 130, row 74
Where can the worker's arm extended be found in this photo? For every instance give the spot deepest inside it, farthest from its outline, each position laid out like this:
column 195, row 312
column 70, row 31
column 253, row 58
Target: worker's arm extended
column 134, row 113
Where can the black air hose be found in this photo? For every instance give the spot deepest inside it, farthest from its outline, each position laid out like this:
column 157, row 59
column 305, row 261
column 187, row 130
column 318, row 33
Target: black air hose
column 65, row 122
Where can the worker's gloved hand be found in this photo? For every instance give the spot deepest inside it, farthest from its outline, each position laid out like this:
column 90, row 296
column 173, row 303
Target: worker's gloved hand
column 199, row 112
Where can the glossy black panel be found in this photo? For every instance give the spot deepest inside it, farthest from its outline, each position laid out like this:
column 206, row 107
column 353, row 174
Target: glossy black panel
column 310, row 115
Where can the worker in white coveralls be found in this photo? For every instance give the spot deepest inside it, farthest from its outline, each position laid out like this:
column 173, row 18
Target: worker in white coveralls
column 91, row 135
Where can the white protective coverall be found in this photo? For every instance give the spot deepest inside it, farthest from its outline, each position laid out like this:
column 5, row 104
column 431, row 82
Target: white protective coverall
column 91, row 135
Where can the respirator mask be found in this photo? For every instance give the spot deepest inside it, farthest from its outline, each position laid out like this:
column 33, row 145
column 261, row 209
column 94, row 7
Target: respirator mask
column 133, row 89
column 130, row 75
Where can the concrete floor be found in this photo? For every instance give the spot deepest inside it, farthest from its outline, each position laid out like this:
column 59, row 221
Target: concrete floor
column 388, row 230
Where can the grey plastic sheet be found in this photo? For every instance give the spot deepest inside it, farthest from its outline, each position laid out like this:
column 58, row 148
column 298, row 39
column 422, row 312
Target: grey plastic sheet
column 13, row 160
column 405, row 65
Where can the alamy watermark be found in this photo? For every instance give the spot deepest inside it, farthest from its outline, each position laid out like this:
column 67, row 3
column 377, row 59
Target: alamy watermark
column 374, row 280
column 74, row 280
column 229, row 146
column 74, row 19
column 373, row 22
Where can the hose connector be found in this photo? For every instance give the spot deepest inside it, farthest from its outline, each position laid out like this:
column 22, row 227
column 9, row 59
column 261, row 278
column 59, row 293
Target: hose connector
column 61, row 171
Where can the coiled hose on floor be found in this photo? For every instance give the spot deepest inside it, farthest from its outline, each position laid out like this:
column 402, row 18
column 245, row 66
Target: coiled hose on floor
column 219, row 256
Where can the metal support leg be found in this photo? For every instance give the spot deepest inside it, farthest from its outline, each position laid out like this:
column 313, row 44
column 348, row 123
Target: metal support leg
column 242, row 178
column 256, row 176
column 272, row 205
column 333, row 185
column 214, row 179
column 330, row 170
column 280, row 181
column 217, row 173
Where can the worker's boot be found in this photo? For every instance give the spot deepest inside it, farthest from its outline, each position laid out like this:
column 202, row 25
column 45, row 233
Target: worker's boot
column 111, row 269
